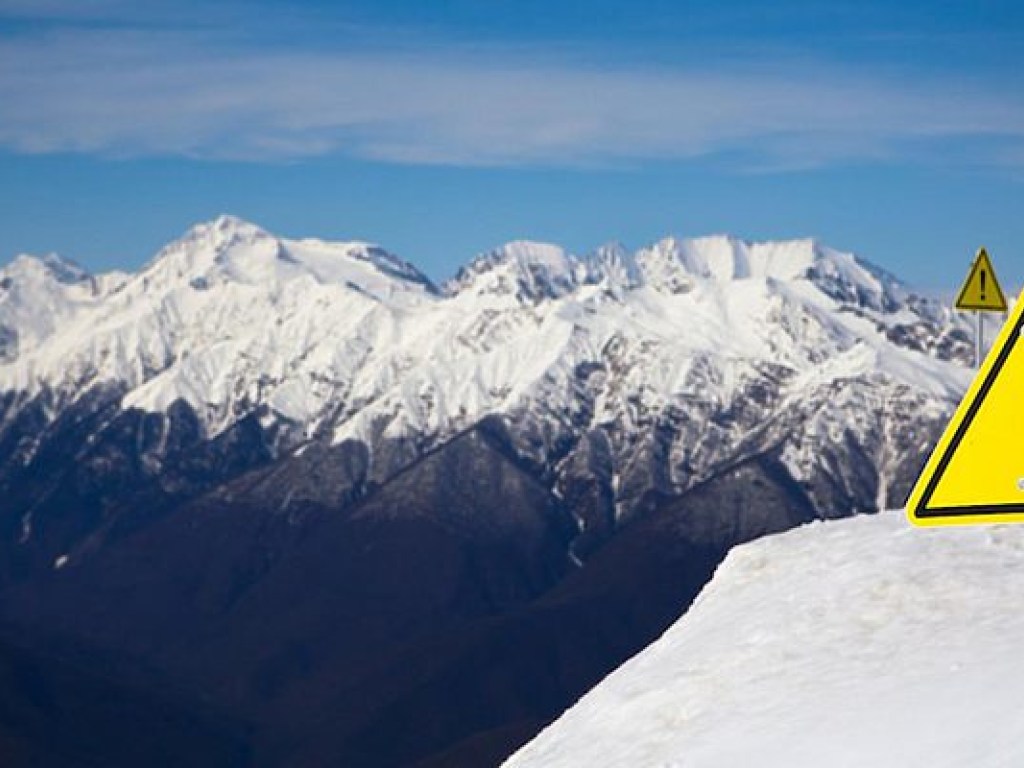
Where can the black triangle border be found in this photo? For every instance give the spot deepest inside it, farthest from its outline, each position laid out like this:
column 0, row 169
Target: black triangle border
column 963, row 305
column 923, row 510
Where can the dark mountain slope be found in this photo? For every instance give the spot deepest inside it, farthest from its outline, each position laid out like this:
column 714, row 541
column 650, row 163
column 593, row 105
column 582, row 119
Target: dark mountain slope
column 71, row 712
column 436, row 616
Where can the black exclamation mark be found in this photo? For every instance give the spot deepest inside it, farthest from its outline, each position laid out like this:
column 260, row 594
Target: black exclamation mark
column 983, row 285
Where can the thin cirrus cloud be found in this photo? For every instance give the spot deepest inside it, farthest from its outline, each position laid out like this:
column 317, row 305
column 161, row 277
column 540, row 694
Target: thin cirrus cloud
column 128, row 93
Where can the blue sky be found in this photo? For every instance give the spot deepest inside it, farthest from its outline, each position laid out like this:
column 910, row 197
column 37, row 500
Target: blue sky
column 442, row 129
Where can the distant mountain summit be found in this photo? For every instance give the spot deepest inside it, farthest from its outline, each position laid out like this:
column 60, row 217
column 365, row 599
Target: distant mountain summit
column 352, row 464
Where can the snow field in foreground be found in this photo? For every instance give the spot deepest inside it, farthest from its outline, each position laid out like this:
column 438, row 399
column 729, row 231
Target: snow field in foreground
column 862, row 642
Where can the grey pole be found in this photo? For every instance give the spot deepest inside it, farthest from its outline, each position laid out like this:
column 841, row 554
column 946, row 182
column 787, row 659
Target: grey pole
column 978, row 351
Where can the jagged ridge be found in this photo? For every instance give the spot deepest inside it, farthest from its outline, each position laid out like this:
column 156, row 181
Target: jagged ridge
column 678, row 360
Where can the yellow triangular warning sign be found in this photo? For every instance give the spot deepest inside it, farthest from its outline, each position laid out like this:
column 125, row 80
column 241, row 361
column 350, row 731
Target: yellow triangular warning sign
column 976, row 472
column 981, row 290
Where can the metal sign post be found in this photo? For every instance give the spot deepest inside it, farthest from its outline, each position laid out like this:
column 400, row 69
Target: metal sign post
column 979, row 350
column 981, row 292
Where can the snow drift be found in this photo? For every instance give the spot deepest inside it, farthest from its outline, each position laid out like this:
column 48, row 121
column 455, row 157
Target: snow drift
column 862, row 642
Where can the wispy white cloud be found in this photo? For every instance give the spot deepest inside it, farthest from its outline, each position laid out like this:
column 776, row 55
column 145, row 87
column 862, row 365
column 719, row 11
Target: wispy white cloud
column 200, row 93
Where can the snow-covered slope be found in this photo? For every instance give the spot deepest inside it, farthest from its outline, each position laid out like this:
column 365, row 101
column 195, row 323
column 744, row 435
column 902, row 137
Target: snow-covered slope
column 675, row 361
column 226, row 318
column 40, row 295
column 862, row 642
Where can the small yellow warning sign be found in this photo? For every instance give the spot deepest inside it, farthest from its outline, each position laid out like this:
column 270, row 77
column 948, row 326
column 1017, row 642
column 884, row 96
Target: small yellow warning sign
column 981, row 291
column 976, row 472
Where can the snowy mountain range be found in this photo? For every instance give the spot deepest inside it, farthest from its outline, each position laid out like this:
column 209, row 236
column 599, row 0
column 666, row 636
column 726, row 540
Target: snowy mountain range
column 518, row 452
column 666, row 360
column 842, row 643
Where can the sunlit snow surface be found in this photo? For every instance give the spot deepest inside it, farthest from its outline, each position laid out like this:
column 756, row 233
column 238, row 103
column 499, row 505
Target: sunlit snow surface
column 863, row 642
column 348, row 338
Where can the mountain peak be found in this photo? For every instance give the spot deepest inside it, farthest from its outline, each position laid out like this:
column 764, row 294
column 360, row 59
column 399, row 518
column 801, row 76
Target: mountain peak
column 525, row 254
column 852, row 280
column 525, row 269
column 229, row 223
column 613, row 265
column 611, row 249
column 221, row 231
column 37, row 295
column 230, row 249
column 48, row 266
